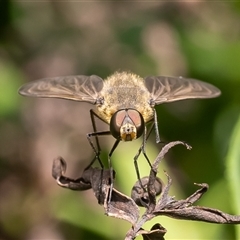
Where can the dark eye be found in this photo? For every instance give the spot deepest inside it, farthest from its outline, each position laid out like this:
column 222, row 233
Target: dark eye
column 138, row 121
column 127, row 122
column 116, row 123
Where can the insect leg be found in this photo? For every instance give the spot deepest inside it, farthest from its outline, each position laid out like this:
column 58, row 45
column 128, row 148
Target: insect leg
column 156, row 127
column 96, row 150
column 92, row 115
column 142, row 149
column 111, row 168
column 145, row 138
column 97, row 153
column 95, row 134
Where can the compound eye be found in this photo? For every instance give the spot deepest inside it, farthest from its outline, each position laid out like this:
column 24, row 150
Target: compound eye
column 116, row 123
column 138, row 121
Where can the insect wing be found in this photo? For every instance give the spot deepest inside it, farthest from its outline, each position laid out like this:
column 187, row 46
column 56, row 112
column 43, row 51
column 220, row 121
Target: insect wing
column 170, row 89
column 77, row 88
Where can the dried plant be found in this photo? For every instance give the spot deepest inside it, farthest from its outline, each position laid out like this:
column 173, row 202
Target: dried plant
column 119, row 205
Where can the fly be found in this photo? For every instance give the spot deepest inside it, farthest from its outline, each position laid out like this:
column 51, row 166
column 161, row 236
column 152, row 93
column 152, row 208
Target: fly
column 125, row 101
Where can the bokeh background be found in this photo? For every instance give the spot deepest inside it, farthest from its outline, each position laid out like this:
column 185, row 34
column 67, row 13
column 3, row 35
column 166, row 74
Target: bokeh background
column 52, row 38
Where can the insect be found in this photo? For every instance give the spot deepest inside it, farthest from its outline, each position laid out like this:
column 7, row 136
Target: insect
column 124, row 100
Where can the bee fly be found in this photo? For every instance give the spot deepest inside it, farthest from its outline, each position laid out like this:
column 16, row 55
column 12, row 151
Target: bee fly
column 124, row 100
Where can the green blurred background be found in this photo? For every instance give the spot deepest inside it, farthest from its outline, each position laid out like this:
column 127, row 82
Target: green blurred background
column 52, row 38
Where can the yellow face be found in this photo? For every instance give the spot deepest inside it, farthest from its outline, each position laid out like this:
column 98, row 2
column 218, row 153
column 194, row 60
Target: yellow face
column 128, row 132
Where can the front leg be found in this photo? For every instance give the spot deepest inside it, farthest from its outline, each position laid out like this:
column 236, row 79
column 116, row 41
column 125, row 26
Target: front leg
column 95, row 133
column 142, row 149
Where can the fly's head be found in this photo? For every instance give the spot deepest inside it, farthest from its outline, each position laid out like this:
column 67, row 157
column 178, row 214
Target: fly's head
column 127, row 124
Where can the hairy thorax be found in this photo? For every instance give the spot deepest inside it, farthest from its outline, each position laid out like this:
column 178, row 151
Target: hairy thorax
column 122, row 91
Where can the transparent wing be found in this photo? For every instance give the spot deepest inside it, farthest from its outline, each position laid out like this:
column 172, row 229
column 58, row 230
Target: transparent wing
column 170, row 89
column 77, row 88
